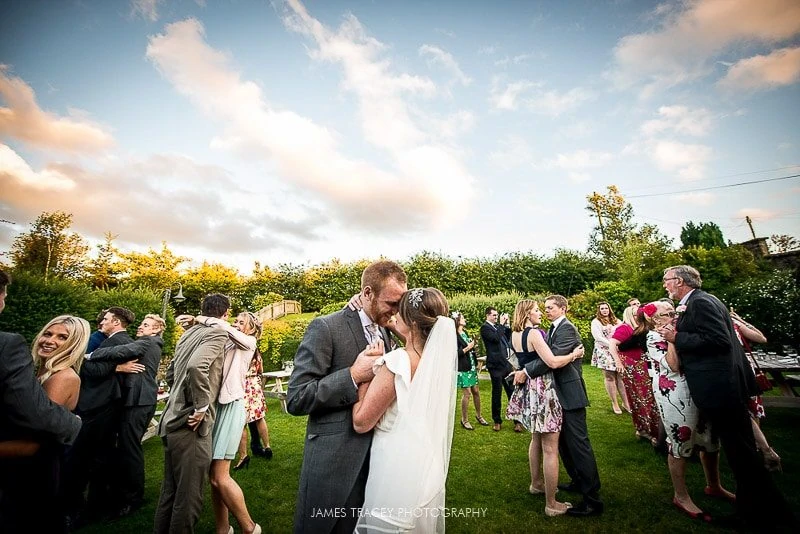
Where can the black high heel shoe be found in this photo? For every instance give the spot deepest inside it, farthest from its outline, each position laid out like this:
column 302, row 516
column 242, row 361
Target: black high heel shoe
column 265, row 452
column 243, row 463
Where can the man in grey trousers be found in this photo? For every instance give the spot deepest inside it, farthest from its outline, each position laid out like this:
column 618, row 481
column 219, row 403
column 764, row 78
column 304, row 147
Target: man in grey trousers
column 194, row 377
column 329, row 365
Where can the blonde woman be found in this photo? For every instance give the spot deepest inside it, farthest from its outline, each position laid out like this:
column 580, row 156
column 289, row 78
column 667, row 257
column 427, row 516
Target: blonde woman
column 535, row 403
column 226, row 495
column 58, row 351
column 603, row 326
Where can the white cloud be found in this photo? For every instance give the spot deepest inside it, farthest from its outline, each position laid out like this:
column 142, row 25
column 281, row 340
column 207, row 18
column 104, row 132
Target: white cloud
column 424, row 176
column 780, row 67
column 688, row 160
column 438, row 57
column 23, row 119
column 512, row 151
column 531, row 96
column 576, row 130
column 580, row 160
column 698, row 198
column 757, row 214
column 689, row 37
column 13, row 166
column 679, row 120
column 487, row 50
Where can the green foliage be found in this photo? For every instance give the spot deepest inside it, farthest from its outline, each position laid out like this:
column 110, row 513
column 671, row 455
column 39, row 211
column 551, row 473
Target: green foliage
column 719, row 268
column 584, row 304
column 473, row 308
column 330, row 281
column 280, row 339
column 614, row 222
column 210, row 278
column 332, row 307
column 154, row 269
column 705, row 235
column 771, row 302
column 49, row 248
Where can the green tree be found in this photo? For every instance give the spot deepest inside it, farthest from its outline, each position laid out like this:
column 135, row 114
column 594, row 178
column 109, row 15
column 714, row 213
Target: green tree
column 153, row 269
column 706, row 235
column 103, row 270
column 614, row 223
column 49, row 248
column 211, row 278
column 784, row 243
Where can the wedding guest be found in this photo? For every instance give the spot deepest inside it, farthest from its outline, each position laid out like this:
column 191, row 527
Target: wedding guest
column 687, row 431
column 137, row 366
column 467, row 373
column 496, row 338
column 602, row 327
column 573, row 444
column 747, row 334
column 535, row 402
column 712, row 360
column 410, row 403
column 256, row 409
column 628, row 346
column 195, row 377
column 57, row 351
column 98, row 336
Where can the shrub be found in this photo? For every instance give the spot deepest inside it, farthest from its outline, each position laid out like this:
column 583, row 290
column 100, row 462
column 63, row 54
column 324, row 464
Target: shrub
column 279, row 341
column 263, row 300
column 333, row 307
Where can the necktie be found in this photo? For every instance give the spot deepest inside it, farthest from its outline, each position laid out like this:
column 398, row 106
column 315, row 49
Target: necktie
column 550, row 332
column 372, row 332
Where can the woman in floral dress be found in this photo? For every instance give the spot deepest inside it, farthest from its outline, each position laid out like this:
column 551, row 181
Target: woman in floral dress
column 686, row 431
column 256, row 409
column 602, row 327
column 535, row 403
column 627, row 346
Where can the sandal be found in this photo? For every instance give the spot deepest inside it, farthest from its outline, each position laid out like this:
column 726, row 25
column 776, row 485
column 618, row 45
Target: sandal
column 466, row 425
column 481, row 420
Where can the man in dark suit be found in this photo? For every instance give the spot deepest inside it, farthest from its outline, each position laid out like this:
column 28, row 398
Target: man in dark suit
column 136, row 365
column 573, row 443
column 329, row 365
column 89, row 460
column 712, row 360
column 26, row 413
column 496, row 340
column 195, row 377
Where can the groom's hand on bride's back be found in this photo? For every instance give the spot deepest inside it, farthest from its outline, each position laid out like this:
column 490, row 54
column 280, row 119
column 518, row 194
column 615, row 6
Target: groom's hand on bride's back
column 361, row 370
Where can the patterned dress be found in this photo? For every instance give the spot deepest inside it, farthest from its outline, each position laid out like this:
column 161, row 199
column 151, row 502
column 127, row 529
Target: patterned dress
column 638, row 384
column 686, row 431
column 601, row 357
column 254, row 403
column 469, row 378
column 535, row 403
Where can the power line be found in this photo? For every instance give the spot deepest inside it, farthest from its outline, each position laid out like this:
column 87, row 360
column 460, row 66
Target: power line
column 723, row 176
column 715, row 187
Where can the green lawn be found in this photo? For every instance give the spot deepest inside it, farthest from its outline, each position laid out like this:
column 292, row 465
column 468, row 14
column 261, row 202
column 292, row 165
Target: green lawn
column 489, row 470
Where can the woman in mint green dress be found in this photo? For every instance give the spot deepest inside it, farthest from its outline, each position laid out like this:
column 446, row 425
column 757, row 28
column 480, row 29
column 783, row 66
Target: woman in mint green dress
column 467, row 373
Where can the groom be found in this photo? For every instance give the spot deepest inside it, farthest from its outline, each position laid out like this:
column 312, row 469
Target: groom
column 573, row 443
column 329, row 365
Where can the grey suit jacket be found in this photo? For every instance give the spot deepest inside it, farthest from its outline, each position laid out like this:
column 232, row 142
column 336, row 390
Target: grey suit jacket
column 569, row 384
column 321, row 387
column 26, row 411
column 194, row 377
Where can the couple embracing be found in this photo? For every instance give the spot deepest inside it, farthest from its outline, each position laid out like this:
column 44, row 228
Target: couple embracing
column 380, row 425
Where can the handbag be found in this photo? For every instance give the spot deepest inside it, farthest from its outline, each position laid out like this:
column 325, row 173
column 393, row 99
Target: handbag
column 762, row 381
column 511, row 358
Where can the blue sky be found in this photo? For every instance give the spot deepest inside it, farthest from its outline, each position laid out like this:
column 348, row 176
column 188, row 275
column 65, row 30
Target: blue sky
column 297, row 132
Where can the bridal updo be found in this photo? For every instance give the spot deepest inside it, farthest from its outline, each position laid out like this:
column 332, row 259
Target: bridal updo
column 420, row 307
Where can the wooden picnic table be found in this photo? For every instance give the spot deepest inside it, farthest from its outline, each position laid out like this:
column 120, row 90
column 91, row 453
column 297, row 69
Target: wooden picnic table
column 778, row 368
column 273, row 385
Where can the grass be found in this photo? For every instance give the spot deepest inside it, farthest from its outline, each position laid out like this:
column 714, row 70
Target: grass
column 489, row 470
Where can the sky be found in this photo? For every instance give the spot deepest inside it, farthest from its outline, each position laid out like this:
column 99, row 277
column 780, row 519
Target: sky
column 302, row 131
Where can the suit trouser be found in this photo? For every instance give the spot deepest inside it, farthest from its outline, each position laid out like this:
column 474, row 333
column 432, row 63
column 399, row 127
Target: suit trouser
column 758, row 499
column 498, row 385
column 187, row 458
column 130, row 457
column 87, row 462
column 577, row 454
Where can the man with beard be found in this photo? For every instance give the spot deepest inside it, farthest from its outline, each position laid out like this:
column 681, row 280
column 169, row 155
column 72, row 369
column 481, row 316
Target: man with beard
column 329, row 365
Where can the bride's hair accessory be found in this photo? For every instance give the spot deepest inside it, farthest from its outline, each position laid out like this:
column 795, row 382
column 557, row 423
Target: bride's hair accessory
column 455, row 314
column 649, row 309
column 415, row 297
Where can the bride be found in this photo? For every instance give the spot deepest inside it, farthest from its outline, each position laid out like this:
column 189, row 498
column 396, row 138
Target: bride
column 411, row 404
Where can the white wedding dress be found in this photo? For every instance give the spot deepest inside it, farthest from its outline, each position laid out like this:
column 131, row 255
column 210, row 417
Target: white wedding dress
column 410, row 451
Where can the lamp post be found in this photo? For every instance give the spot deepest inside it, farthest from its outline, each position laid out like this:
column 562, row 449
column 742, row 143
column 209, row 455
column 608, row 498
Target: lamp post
column 177, row 298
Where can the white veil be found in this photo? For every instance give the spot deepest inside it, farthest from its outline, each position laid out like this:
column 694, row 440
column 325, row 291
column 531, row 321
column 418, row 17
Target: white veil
column 414, row 481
